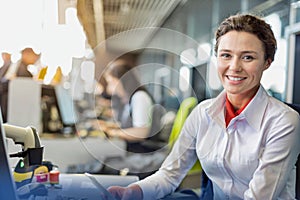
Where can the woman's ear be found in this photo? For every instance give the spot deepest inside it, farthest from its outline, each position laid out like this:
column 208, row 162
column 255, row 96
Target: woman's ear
column 268, row 63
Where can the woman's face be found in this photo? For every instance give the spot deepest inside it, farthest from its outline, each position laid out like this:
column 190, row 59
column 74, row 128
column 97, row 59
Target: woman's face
column 114, row 86
column 241, row 63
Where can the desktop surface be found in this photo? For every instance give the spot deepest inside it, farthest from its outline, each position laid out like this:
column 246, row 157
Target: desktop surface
column 70, row 186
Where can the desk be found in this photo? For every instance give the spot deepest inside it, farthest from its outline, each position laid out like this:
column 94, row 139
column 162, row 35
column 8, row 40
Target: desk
column 66, row 151
column 75, row 186
column 105, row 180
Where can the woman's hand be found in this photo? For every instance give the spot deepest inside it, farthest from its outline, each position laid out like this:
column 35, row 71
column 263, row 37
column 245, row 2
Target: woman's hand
column 134, row 192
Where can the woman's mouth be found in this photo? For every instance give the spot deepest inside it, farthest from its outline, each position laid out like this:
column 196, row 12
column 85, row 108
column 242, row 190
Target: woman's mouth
column 234, row 78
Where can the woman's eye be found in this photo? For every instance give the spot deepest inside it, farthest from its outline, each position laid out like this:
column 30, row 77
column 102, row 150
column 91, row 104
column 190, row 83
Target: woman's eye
column 248, row 58
column 225, row 55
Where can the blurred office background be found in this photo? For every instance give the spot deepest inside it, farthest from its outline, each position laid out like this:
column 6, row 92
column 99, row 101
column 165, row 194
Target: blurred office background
column 169, row 41
column 68, row 33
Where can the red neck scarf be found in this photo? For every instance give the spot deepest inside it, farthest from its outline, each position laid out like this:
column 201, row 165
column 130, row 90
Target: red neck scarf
column 230, row 112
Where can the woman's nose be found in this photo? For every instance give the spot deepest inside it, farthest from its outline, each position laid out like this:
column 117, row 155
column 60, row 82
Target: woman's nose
column 235, row 64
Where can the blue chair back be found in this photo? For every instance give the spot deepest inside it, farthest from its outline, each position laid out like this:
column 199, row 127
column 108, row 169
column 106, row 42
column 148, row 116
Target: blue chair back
column 297, row 108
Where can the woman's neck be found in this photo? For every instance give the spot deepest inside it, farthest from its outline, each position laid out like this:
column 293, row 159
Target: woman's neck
column 240, row 100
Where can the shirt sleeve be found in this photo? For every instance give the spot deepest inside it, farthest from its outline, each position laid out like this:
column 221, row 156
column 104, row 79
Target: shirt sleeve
column 181, row 158
column 277, row 162
column 141, row 105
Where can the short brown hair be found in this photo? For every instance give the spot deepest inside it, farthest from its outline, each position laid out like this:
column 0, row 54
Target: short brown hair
column 251, row 24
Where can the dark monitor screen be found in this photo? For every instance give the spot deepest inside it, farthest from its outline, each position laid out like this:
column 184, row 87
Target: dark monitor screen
column 199, row 84
column 7, row 184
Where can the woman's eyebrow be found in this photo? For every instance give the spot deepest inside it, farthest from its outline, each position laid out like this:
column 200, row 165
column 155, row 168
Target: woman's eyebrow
column 243, row 52
column 249, row 51
column 225, row 50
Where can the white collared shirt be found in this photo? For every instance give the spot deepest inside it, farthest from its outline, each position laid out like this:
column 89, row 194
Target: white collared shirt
column 253, row 158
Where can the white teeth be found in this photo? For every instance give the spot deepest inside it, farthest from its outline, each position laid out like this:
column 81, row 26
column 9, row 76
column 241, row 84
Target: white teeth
column 235, row 78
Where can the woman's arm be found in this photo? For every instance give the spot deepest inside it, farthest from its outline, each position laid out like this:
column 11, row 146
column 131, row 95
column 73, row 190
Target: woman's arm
column 130, row 134
column 277, row 161
column 181, row 158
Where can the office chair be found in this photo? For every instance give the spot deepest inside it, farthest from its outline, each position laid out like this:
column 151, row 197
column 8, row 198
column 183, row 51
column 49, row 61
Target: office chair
column 184, row 110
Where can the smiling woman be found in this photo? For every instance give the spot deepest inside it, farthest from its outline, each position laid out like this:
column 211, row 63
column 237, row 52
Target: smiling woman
column 245, row 140
column 244, row 52
column 241, row 64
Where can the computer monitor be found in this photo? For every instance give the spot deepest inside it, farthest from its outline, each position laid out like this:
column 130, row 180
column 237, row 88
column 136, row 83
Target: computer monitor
column 7, row 184
column 66, row 106
column 58, row 97
column 199, row 85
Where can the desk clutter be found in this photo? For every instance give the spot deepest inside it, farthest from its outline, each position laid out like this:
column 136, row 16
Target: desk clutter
column 34, row 178
column 44, row 181
column 73, row 186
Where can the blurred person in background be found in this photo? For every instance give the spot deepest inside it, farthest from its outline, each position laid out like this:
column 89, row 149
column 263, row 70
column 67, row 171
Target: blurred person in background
column 27, row 66
column 6, row 57
column 131, row 104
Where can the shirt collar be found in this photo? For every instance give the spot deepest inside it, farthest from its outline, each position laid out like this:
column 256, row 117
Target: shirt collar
column 253, row 113
column 255, row 110
column 216, row 108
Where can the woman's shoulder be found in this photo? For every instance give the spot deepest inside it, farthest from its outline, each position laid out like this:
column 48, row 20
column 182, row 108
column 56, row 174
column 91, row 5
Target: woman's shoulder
column 140, row 94
column 280, row 106
column 203, row 108
column 207, row 103
column 282, row 110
